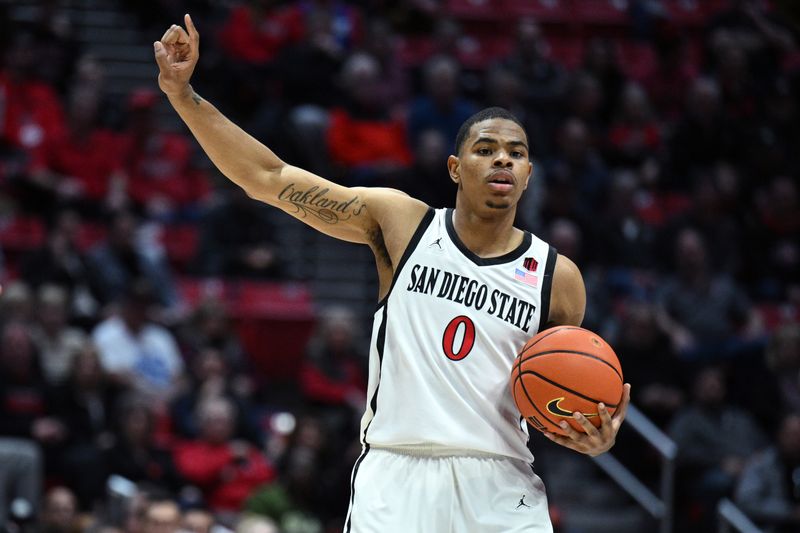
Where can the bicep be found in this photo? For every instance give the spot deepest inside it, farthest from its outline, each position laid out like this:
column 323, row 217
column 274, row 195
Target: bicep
column 568, row 297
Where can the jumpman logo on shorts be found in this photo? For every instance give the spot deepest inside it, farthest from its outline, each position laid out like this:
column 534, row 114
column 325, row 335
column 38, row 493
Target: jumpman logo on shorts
column 522, row 502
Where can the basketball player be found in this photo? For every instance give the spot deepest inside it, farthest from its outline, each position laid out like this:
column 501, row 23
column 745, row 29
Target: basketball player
column 461, row 290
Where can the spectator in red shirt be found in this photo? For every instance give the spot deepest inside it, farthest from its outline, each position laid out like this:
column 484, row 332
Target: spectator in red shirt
column 157, row 164
column 371, row 145
column 257, row 30
column 226, row 470
column 332, row 375
column 30, row 112
column 85, row 159
column 634, row 133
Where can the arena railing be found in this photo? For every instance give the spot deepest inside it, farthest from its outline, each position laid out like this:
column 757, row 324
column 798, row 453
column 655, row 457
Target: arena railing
column 658, row 506
column 732, row 519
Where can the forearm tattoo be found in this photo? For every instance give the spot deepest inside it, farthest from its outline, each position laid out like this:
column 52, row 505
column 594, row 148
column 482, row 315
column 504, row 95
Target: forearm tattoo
column 315, row 201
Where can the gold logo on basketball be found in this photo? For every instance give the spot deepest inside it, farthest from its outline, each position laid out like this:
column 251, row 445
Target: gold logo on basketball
column 554, row 406
column 596, row 341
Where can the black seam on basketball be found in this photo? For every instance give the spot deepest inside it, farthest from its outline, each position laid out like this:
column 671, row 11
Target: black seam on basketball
column 562, row 387
column 575, row 352
column 555, row 330
column 530, row 400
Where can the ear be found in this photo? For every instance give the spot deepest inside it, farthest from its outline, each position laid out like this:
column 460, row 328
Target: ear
column 528, row 177
column 454, row 168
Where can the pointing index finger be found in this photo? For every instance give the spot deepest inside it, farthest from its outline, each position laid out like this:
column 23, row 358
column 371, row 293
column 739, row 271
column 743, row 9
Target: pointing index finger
column 191, row 29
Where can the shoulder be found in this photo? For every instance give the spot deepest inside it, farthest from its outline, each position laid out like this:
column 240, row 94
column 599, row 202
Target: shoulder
column 568, row 294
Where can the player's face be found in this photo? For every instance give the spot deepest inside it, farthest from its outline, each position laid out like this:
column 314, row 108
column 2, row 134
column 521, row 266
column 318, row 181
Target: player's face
column 493, row 168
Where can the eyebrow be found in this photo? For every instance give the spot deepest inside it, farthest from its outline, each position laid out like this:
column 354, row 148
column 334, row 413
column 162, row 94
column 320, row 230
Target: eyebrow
column 490, row 140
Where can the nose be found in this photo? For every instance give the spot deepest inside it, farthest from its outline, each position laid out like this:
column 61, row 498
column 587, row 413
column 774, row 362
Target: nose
column 503, row 160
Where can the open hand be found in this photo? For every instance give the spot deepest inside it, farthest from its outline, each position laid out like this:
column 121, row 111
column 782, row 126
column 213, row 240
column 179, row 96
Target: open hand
column 176, row 54
column 595, row 440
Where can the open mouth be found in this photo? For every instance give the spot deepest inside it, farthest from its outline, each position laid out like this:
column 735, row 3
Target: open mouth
column 501, row 181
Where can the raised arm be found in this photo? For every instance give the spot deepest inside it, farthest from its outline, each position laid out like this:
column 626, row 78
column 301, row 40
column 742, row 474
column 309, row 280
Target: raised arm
column 359, row 215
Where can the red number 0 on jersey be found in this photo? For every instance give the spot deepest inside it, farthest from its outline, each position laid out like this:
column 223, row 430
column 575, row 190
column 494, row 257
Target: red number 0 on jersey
column 449, row 338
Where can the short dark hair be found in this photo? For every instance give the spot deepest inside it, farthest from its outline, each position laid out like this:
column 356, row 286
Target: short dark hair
column 480, row 116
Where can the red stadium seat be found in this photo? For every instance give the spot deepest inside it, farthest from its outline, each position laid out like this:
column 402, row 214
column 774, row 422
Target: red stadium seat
column 22, row 234
column 601, row 12
column 544, row 11
column 477, row 9
column 180, row 242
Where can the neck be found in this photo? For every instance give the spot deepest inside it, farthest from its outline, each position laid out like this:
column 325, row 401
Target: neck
column 486, row 236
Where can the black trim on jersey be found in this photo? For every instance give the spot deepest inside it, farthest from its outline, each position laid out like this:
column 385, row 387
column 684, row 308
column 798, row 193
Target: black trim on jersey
column 549, row 268
column 485, row 261
column 353, row 488
column 412, row 245
column 379, row 346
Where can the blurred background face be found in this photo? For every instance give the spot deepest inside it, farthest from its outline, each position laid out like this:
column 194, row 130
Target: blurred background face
column 432, row 151
column 217, row 421
column 198, row 521
column 60, row 510
column 441, row 80
column 137, row 425
column 86, row 368
column 52, row 310
column 361, row 75
column 709, row 388
column 162, row 517
column 16, row 350
column 690, row 252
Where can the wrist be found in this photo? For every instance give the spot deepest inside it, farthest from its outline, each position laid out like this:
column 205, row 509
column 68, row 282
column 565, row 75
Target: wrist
column 182, row 95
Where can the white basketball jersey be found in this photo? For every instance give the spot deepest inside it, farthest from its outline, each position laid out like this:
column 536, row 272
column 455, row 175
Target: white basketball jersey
column 444, row 340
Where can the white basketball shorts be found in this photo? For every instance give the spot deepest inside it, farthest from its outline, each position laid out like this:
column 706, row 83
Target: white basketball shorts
column 396, row 490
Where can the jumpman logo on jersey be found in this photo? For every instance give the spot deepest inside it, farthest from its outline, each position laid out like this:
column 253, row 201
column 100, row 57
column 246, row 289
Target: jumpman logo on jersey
column 522, row 503
column 437, row 242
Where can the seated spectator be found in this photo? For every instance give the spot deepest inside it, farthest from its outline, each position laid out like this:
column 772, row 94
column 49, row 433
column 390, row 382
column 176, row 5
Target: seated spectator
column 211, row 326
column 86, row 405
column 122, row 257
column 543, row 81
column 634, row 134
column 84, row 161
column 256, row 30
column 645, row 352
column 59, row 511
column 362, row 137
column 769, row 487
column 333, row 375
column 225, row 470
column 61, row 261
column 157, row 166
column 705, row 313
column 135, row 351
column 25, row 399
column 428, row 179
column 210, row 378
column 601, row 62
column 715, row 439
column 441, row 107
column 16, row 303
column 33, row 114
column 56, row 342
column 237, row 239
column 134, row 454
column 576, row 176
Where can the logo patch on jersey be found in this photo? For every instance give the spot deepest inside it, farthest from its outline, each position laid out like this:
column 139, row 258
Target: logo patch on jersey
column 554, row 406
column 526, row 277
column 530, row 264
column 436, row 245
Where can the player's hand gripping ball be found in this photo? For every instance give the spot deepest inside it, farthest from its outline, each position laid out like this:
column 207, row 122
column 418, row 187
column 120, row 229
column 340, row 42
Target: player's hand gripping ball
column 562, row 370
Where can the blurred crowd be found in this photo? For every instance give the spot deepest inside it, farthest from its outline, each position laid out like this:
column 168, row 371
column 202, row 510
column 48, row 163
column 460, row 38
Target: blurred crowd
column 666, row 165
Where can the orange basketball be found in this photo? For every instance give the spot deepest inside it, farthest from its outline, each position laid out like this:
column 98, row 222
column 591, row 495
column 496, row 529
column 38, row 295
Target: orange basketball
column 565, row 369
